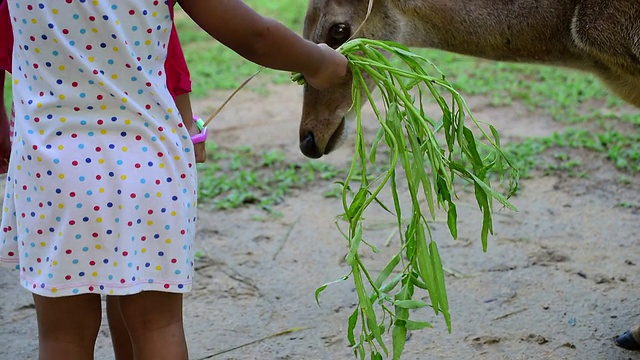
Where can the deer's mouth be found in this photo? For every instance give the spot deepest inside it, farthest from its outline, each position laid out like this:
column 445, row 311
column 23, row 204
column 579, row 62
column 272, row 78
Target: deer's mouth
column 314, row 150
column 336, row 138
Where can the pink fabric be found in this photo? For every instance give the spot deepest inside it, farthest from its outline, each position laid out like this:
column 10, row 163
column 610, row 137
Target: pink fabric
column 176, row 70
column 175, row 67
column 6, row 39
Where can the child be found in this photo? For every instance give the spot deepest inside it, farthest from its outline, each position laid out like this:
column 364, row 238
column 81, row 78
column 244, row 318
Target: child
column 101, row 188
column 179, row 85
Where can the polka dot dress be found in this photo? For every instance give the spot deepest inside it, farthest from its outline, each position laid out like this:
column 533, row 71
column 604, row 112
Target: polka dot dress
column 101, row 189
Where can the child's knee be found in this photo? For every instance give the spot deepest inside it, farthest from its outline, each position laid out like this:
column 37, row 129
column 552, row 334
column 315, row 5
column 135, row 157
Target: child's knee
column 151, row 310
column 71, row 317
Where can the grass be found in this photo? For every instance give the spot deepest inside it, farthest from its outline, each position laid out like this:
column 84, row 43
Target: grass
column 240, row 176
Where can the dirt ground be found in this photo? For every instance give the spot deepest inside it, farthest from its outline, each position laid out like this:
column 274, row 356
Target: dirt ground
column 558, row 281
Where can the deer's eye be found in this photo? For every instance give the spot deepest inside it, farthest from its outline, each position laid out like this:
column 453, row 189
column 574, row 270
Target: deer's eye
column 338, row 34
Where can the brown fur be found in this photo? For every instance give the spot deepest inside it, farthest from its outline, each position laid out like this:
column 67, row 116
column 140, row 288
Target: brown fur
column 597, row 36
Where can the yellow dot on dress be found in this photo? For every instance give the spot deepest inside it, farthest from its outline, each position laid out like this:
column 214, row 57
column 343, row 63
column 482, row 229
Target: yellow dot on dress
column 54, row 11
column 63, row 119
column 150, row 222
column 100, row 161
column 168, row 241
column 61, row 67
column 114, row 76
column 124, row 100
column 61, row 176
column 54, row 290
column 143, row 250
column 39, row 105
column 94, row 274
column 60, row 206
column 98, row 246
column 115, row 49
column 61, row 97
column 98, row 220
column 125, row 149
column 95, row 30
column 123, row 177
column 158, row 267
column 43, row 243
column 60, row 147
column 34, row 21
column 37, row 50
column 54, row 262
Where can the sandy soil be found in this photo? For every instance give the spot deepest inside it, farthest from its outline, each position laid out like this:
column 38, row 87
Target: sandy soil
column 559, row 280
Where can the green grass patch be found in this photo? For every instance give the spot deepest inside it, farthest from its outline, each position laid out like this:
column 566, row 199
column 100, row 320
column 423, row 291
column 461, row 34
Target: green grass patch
column 236, row 177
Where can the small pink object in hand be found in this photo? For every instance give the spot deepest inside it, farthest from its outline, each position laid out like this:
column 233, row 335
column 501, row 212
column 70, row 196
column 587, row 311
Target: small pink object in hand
column 204, row 132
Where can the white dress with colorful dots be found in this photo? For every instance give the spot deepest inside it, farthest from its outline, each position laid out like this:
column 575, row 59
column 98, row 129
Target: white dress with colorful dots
column 101, row 189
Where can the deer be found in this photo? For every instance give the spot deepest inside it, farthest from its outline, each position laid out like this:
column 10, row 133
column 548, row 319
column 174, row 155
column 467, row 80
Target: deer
column 601, row 37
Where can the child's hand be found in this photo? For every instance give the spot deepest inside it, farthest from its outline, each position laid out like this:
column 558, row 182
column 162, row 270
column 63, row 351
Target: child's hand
column 201, row 152
column 332, row 71
column 199, row 148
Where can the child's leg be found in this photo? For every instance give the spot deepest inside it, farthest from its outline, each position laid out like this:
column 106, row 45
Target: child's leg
column 154, row 321
column 68, row 326
column 122, row 347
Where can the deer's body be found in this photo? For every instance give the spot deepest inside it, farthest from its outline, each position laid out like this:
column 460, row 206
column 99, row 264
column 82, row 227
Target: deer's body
column 597, row 36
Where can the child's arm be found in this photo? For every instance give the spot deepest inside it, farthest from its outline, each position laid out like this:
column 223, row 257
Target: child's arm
column 266, row 42
column 5, row 141
column 183, row 102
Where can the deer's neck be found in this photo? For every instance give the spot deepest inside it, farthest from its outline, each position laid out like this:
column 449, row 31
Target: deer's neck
column 510, row 30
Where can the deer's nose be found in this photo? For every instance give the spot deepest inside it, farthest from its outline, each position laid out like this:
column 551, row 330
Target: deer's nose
column 309, row 147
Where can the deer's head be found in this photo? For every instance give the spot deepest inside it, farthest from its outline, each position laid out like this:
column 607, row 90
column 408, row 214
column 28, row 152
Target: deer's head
column 326, row 112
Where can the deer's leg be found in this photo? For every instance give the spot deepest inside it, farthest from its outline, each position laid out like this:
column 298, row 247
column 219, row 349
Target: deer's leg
column 630, row 340
column 627, row 87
